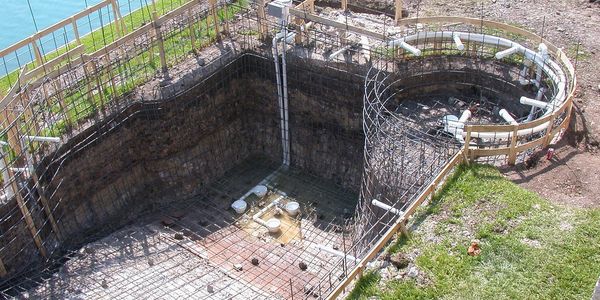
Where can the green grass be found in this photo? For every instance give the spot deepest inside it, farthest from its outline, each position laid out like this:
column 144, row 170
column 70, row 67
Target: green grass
column 101, row 37
column 563, row 262
column 80, row 105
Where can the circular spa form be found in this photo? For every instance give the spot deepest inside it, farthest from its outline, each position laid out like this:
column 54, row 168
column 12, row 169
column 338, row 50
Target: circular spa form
column 505, row 96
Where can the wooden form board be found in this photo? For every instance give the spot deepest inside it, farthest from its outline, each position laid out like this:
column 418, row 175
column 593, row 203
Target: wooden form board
column 398, row 224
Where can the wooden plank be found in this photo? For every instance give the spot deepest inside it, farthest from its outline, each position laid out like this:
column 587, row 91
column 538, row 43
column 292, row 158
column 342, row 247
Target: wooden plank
column 456, row 159
column 490, row 151
column 13, row 90
column 161, row 44
column 46, row 205
column 117, row 22
column 176, row 12
column 512, row 155
column 36, row 51
column 15, row 144
column 308, row 16
column 344, row 5
column 55, row 61
column 76, row 30
column 213, row 12
column 262, row 19
column 491, row 128
column 122, row 41
column 398, row 10
column 191, row 29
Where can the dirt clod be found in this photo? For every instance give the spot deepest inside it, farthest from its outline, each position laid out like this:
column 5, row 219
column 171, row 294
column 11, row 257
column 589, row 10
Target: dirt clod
column 399, row 260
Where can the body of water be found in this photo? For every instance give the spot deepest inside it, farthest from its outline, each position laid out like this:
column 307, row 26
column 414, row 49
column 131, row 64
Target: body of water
column 17, row 23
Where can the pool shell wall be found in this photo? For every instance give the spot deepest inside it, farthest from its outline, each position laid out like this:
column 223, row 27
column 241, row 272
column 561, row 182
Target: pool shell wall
column 155, row 153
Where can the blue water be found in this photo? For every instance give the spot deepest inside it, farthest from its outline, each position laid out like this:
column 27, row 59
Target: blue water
column 16, row 23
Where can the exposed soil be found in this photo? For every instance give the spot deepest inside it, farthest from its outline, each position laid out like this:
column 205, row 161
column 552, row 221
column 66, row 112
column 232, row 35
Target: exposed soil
column 571, row 177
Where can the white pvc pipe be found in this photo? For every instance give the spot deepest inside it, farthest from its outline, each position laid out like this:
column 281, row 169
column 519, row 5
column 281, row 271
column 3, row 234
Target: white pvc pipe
column 387, row 207
column 336, row 53
column 539, row 97
column 285, row 146
column 335, row 252
column 459, row 44
column 404, row 45
column 465, row 116
column 507, row 52
column 285, row 96
column 256, row 218
column 543, row 53
column 533, row 102
column 47, row 139
column 523, row 74
column 7, row 187
column 540, row 59
column 507, row 117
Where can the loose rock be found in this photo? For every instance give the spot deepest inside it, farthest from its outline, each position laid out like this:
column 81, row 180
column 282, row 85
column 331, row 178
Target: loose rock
column 399, row 260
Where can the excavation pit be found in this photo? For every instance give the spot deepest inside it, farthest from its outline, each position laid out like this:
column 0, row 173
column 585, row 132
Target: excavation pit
column 134, row 200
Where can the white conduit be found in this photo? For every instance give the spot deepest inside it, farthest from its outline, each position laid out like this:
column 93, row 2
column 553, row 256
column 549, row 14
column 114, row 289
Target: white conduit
column 523, row 74
column 409, row 48
column 282, row 93
column 47, row 139
column 534, row 103
column 336, row 53
column 256, row 218
column 335, row 252
column 458, row 42
column 285, row 94
column 387, row 207
column 540, row 59
column 507, row 117
column 9, row 193
column 539, row 97
column 507, row 52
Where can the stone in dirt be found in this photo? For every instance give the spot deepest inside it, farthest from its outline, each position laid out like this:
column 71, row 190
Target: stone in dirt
column 238, row 267
column 474, row 249
column 178, row 236
column 399, row 260
column 255, row 261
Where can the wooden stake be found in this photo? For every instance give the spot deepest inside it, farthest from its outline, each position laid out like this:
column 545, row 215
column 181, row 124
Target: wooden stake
column 398, row 10
column 161, row 44
column 76, row 30
column 37, row 53
column 512, row 155
column 213, row 12
column 344, row 5
column 262, row 19
column 191, row 29
column 15, row 144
